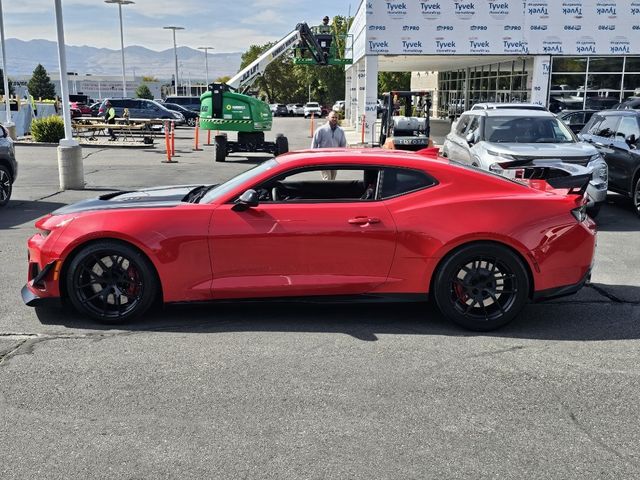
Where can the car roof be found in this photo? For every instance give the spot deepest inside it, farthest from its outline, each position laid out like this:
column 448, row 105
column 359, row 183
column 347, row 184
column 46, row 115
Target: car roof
column 510, row 112
column 623, row 111
column 494, row 105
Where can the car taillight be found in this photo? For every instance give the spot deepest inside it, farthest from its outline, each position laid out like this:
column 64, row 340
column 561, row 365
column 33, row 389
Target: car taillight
column 580, row 213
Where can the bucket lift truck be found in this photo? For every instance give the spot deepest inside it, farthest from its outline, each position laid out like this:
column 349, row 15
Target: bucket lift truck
column 227, row 107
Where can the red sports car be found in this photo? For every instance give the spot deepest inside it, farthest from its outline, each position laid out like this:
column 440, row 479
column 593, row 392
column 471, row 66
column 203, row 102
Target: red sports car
column 391, row 224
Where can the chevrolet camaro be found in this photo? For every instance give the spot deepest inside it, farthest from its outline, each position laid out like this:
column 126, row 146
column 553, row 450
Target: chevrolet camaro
column 392, row 224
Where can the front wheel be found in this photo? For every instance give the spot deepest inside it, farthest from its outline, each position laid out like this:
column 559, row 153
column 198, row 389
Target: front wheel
column 191, row 122
column 481, row 286
column 111, row 282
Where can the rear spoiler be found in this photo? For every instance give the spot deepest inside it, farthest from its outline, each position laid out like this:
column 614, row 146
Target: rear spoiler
column 556, row 173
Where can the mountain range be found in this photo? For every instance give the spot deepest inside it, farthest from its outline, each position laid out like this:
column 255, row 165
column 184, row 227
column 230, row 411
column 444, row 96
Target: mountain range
column 23, row 56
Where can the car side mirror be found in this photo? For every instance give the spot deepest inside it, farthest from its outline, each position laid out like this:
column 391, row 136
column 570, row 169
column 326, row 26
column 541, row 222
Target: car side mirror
column 631, row 141
column 247, row 200
column 4, row 132
column 470, row 138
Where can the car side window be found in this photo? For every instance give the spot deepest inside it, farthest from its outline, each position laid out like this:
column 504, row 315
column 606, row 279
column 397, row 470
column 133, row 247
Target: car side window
column 628, row 126
column 607, row 128
column 399, row 181
column 327, row 184
column 463, row 123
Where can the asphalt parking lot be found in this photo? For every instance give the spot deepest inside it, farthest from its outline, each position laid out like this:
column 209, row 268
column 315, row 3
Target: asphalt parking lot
column 306, row 390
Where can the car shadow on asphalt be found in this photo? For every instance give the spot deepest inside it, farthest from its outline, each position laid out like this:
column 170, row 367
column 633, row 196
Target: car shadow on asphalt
column 618, row 215
column 19, row 212
column 596, row 320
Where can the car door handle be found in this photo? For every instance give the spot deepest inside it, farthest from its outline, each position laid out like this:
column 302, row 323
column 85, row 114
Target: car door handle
column 363, row 220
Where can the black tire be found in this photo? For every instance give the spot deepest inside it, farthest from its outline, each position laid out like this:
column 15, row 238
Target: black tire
column 6, row 185
column 111, row 282
column 593, row 210
column 220, row 148
column 635, row 196
column 481, row 286
column 282, row 145
column 191, row 122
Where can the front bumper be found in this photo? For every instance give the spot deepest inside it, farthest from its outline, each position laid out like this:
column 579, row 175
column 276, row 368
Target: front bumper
column 32, row 299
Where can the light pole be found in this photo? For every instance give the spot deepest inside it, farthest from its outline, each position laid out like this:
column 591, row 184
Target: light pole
column 206, row 62
column 120, row 3
column 7, row 105
column 175, row 52
column 69, row 152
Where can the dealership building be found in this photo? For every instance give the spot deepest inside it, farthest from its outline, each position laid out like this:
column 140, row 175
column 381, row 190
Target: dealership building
column 571, row 54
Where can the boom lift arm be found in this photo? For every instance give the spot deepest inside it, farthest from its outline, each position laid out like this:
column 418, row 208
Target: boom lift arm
column 300, row 37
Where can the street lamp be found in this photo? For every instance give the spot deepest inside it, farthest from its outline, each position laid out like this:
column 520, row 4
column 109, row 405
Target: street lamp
column 120, row 3
column 206, row 62
column 4, row 70
column 175, row 52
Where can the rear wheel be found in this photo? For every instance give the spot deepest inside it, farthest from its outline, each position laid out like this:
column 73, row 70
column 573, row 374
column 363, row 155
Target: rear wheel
column 6, row 185
column 191, row 122
column 111, row 282
column 481, row 286
column 282, row 145
column 220, row 148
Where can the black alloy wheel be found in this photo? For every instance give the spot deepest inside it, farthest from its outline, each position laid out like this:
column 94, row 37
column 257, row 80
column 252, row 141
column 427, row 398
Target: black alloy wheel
column 635, row 196
column 482, row 286
column 111, row 282
column 6, row 185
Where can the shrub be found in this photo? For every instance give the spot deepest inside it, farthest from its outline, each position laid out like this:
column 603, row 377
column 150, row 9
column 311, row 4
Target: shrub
column 49, row 129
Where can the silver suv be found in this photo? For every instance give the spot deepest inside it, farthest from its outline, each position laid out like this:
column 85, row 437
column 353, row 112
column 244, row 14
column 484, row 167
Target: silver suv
column 8, row 166
column 485, row 138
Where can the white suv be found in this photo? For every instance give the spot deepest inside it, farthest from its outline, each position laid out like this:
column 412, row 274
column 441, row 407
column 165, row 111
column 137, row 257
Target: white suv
column 485, row 138
column 312, row 107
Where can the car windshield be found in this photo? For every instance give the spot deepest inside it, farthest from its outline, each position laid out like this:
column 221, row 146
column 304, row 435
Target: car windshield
column 219, row 190
column 510, row 129
column 312, row 105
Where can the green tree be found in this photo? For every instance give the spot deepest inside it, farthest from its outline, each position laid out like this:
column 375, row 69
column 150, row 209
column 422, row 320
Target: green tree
column 143, row 92
column 388, row 81
column 40, row 85
column 149, row 78
column 11, row 89
column 223, row 79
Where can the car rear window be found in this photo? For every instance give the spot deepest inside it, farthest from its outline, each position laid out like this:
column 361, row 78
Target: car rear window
column 398, row 181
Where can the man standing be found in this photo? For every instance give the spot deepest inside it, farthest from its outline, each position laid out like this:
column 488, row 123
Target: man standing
column 330, row 135
column 110, row 116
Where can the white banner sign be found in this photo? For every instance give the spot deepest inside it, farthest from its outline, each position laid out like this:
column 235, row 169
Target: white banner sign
column 496, row 27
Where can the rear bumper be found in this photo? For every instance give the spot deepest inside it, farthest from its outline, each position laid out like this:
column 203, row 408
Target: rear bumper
column 563, row 291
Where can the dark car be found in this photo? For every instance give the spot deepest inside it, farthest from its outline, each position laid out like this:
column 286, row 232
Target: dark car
column 631, row 103
column 575, row 119
column 95, row 108
column 191, row 103
column 190, row 116
column 8, row 166
column 141, row 108
column 616, row 135
column 279, row 110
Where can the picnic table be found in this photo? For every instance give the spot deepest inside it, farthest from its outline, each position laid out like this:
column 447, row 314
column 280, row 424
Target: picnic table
column 128, row 128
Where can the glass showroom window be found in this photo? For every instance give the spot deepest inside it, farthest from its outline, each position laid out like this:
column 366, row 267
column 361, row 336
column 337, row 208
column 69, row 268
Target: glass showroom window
column 592, row 82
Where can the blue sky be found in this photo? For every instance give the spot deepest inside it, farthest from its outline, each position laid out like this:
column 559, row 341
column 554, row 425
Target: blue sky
column 226, row 25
